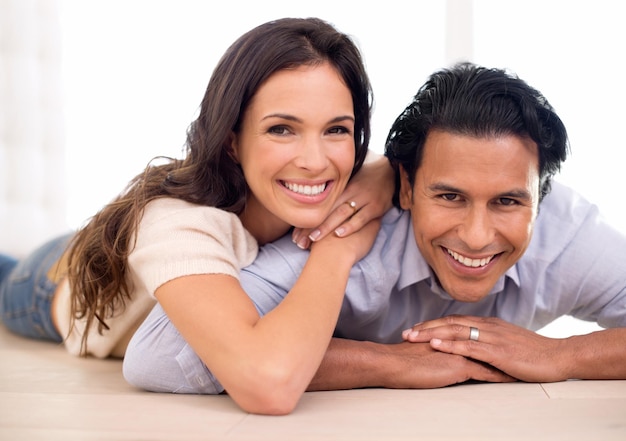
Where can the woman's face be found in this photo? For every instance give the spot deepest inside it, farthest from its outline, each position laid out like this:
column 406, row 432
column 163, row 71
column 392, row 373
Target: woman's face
column 296, row 149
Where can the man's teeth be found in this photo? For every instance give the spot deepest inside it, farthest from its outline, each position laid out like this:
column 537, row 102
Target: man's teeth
column 308, row 190
column 474, row 263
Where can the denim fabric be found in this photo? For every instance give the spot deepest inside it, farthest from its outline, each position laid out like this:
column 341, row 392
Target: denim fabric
column 7, row 263
column 26, row 292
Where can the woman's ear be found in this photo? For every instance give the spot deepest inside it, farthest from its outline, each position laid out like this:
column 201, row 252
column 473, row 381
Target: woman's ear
column 233, row 147
column 406, row 190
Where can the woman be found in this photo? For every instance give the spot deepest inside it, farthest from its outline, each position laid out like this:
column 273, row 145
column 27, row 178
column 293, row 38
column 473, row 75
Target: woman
column 283, row 126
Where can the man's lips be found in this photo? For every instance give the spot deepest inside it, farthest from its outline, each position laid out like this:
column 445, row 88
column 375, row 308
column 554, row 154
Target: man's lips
column 469, row 261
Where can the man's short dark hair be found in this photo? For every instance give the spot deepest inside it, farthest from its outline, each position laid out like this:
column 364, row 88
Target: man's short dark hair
column 475, row 101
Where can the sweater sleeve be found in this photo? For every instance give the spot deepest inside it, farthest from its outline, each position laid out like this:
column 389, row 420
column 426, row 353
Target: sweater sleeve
column 176, row 238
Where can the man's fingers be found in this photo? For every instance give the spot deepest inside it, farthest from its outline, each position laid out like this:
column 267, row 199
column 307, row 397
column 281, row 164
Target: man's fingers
column 446, row 332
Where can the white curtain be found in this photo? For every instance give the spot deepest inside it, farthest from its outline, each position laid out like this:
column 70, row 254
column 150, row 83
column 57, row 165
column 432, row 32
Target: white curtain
column 32, row 153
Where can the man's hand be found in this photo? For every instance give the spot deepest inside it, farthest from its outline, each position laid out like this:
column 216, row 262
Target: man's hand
column 350, row 364
column 521, row 353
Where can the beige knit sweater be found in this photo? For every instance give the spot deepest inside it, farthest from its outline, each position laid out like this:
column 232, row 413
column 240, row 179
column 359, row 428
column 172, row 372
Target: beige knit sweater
column 174, row 239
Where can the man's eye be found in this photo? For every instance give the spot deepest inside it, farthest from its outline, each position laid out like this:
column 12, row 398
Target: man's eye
column 449, row 196
column 507, row 201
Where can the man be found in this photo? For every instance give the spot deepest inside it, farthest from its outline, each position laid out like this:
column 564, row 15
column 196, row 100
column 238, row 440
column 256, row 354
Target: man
column 482, row 254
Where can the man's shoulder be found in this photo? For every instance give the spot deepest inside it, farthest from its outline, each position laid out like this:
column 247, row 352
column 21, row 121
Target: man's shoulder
column 562, row 214
column 564, row 199
column 394, row 257
column 395, row 228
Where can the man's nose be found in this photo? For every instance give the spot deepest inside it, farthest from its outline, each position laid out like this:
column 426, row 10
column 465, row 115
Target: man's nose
column 477, row 228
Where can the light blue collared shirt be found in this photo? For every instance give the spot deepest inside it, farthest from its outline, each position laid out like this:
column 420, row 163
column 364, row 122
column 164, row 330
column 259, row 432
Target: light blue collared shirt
column 575, row 265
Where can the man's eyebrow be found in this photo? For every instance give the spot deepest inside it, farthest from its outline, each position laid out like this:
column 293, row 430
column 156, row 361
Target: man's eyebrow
column 441, row 187
column 517, row 194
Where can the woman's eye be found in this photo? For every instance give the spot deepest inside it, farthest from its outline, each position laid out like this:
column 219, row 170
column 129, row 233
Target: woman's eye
column 339, row 130
column 278, row 130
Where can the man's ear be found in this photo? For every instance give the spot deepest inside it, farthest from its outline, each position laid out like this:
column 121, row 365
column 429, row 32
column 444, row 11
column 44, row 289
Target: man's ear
column 406, row 190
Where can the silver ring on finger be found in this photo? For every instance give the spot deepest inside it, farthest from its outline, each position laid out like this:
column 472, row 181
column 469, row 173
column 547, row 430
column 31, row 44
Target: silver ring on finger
column 474, row 333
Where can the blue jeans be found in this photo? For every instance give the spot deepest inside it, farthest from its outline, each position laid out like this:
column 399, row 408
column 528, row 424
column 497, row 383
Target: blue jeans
column 26, row 292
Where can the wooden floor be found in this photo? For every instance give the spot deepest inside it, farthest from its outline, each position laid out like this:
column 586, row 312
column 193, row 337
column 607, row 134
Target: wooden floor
column 46, row 394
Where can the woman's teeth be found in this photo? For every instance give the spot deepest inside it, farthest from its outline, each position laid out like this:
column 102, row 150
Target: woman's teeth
column 307, row 190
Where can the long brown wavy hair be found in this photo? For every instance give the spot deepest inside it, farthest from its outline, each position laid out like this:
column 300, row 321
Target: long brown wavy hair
column 207, row 175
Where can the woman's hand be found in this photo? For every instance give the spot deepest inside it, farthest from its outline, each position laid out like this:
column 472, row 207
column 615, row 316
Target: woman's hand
column 353, row 247
column 367, row 196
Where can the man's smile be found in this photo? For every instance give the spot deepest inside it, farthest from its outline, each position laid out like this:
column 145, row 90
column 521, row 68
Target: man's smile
column 468, row 261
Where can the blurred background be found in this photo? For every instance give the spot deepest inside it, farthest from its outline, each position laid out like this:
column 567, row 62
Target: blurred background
column 91, row 90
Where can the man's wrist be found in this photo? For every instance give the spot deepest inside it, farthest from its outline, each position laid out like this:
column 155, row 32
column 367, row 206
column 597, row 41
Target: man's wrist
column 351, row 364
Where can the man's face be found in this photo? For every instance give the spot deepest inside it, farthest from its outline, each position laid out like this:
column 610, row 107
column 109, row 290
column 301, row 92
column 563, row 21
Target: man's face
column 473, row 207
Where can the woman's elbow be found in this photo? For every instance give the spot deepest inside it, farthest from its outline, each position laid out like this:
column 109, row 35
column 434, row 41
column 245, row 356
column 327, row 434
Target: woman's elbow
column 269, row 404
column 273, row 392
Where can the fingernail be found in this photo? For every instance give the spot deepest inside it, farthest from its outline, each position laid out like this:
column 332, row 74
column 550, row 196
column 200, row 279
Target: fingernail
column 314, row 235
column 303, row 244
column 409, row 333
column 340, row 231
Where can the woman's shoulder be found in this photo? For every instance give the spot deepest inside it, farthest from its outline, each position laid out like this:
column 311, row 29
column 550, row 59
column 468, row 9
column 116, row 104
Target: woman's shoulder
column 175, row 210
column 189, row 239
column 169, row 206
column 175, row 217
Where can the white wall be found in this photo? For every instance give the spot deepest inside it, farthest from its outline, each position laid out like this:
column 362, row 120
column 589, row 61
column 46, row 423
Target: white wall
column 136, row 71
column 32, row 161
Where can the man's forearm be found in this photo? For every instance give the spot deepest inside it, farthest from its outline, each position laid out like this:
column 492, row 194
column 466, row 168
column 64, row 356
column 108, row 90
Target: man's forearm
column 350, row 364
column 600, row 355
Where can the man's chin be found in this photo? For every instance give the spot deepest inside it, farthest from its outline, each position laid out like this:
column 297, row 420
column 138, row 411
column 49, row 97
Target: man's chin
column 467, row 297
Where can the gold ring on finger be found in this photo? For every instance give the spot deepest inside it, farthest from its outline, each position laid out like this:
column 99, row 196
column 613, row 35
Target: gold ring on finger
column 352, row 205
